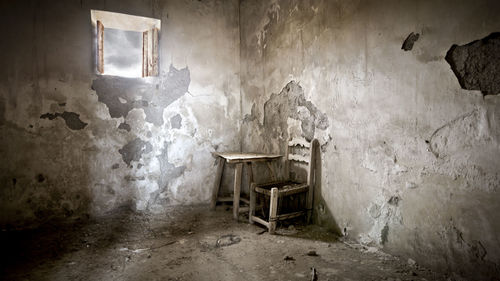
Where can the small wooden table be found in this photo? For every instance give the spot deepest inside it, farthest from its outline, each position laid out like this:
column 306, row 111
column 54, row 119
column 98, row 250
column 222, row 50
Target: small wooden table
column 238, row 159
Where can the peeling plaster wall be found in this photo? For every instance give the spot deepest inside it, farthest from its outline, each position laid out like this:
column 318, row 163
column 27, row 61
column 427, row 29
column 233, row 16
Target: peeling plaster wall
column 409, row 160
column 74, row 143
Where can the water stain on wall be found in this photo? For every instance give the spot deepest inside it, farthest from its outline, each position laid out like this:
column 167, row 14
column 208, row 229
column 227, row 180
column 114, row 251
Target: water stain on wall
column 168, row 172
column 121, row 95
column 176, row 121
column 124, row 126
column 72, row 119
column 134, row 150
column 291, row 103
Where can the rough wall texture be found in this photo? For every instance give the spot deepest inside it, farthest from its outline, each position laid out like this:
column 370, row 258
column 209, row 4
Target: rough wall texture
column 75, row 143
column 477, row 64
column 409, row 160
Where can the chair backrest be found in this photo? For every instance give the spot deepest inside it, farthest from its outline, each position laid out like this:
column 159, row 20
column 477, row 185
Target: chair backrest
column 307, row 156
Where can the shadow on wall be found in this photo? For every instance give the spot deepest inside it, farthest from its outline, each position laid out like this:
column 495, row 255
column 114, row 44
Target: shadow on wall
column 322, row 215
column 40, row 184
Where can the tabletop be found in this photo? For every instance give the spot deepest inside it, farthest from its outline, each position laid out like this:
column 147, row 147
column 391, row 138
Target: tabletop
column 235, row 157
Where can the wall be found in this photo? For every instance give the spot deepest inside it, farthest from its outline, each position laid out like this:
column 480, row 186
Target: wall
column 409, row 159
column 77, row 144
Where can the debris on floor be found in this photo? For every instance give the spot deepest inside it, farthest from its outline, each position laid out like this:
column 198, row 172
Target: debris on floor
column 131, row 246
column 312, row 254
column 227, row 240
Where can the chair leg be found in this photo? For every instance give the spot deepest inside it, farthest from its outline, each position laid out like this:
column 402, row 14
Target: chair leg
column 251, row 210
column 237, row 189
column 273, row 209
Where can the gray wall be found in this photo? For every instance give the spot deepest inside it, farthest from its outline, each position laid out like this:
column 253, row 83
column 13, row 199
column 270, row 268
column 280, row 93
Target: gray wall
column 409, row 160
column 74, row 143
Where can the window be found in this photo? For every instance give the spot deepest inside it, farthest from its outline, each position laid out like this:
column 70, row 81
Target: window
column 126, row 45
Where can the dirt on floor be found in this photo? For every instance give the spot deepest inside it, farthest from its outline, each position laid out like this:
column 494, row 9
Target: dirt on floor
column 192, row 243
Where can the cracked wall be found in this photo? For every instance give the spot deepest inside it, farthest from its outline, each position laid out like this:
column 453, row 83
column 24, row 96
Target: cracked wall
column 76, row 144
column 409, row 159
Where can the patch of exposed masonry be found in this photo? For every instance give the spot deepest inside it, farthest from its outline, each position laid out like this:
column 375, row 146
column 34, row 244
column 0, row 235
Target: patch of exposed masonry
column 134, row 150
column 291, row 103
column 477, row 64
column 176, row 121
column 121, row 95
column 410, row 41
column 71, row 119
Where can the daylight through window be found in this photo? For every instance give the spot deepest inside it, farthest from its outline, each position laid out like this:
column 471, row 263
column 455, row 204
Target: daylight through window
column 126, row 45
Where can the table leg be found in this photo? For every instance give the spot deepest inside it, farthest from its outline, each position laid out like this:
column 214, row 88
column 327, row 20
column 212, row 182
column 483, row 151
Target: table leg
column 251, row 208
column 249, row 173
column 218, row 179
column 237, row 190
column 271, row 169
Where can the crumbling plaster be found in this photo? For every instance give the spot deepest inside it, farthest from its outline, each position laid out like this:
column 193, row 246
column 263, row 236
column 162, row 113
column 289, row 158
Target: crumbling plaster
column 103, row 142
column 409, row 160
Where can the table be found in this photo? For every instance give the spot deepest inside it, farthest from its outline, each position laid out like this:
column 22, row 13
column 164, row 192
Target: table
column 238, row 158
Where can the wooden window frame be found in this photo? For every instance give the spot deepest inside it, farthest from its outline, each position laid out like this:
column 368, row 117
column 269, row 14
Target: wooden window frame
column 150, row 38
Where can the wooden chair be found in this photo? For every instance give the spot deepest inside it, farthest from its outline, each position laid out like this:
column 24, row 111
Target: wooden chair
column 278, row 191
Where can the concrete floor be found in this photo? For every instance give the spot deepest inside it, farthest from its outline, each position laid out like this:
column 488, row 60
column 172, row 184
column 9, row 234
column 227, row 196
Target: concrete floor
column 191, row 243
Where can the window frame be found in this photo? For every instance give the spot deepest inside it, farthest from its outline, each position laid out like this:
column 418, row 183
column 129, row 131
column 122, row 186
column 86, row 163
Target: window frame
column 149, row 27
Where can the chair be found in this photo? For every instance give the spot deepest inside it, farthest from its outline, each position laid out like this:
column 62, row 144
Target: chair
column 277, row 192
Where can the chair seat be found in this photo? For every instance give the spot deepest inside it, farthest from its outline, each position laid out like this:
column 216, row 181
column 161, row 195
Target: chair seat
column 285, row 188
column 277, row 192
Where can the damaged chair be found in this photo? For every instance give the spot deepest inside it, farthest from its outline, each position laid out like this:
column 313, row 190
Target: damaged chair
column 277, row 195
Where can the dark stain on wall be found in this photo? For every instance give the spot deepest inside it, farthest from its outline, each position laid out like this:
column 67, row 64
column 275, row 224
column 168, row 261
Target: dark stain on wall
column 2, row 111
column 132, row 178
column 409, row 41
column 477, row 64
column 384, row 234
column 72, row 119
column 167, row 169
column 291, row 103
column 134, row 150
column 40, row 178
column 124, row 126
column 469, row 251
column 168, row 172
column 120, row 93
column 176, row 121
column 115, row 166
column 394, row 200
column 250, row 117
